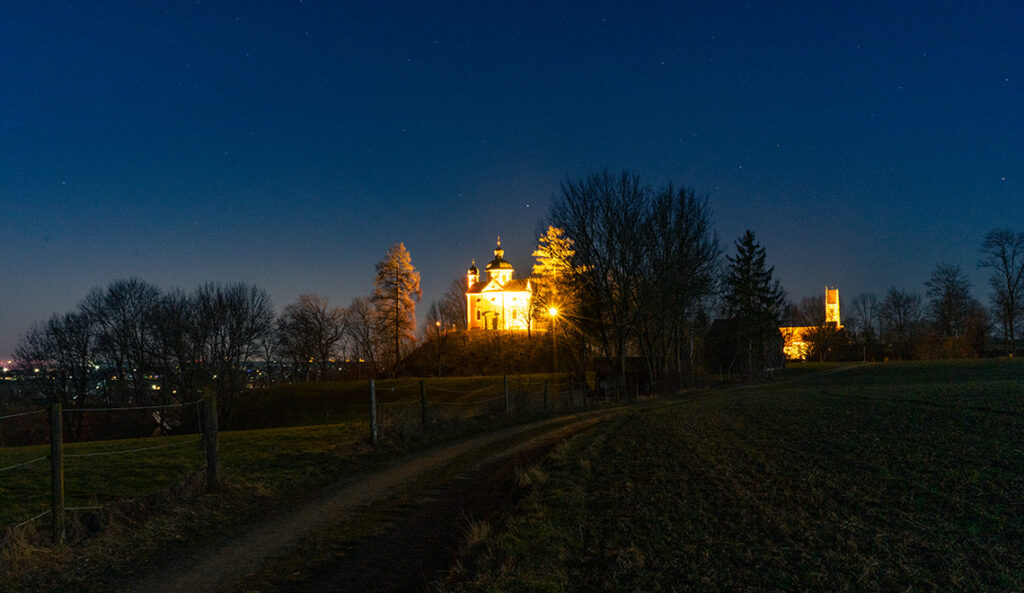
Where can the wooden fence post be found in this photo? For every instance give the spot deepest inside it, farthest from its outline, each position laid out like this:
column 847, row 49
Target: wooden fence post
column 545, row 394
column 57, row 472
column 508, row 404
column 373, row 413
column 423, row 404
column 210, row 441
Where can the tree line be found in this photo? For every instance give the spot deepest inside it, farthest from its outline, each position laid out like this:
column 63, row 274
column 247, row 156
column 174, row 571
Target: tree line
column 638, row 275
column 628, row 277
column 944, row 321
column 132, row 344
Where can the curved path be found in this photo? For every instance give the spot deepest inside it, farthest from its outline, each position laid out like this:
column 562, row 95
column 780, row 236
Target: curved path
column 229, row 563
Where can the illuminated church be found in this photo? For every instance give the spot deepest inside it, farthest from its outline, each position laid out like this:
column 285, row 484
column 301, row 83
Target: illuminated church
column 496, row 300
column 796, row 347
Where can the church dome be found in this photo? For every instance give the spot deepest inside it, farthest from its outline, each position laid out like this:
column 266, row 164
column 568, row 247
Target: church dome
column 499, row 262
column 472, row 269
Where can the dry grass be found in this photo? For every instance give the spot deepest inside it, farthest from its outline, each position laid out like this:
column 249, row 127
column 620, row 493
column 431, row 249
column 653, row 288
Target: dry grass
column 154, row 504
column 527, row 477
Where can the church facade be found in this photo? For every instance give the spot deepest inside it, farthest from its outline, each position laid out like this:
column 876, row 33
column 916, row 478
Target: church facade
column 796, row 347
column 495, row 300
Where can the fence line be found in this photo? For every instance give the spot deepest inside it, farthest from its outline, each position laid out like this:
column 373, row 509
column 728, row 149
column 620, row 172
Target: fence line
column 157, row 407
column 396, row 387
column 401, row 402
column 470, row 403
column 22, row 414
column 36, row 460
column 27, row 521
column 57, row 457
column 465, row 391
column 526, row 390
column 126, row 451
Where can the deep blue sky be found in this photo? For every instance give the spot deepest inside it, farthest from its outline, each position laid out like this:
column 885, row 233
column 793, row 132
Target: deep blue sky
column 289, row 144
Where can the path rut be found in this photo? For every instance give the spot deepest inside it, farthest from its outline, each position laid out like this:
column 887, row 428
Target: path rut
column 226, row 564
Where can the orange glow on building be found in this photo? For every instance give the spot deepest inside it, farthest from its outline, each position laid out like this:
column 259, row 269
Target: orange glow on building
column 497, row 302
column 796, row 347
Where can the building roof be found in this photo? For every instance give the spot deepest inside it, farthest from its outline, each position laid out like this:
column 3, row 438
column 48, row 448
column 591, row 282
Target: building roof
column 517, row 285
column 499, row 262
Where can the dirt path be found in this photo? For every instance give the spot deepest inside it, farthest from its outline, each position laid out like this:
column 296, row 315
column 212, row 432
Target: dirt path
column 226, row 564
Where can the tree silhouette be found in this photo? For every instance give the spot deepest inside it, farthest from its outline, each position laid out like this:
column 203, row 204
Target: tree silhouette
column 1003, row 252
column 396, row 292
column 753, row 299
column 752, row 295
column 950, row 300
column 310, row 331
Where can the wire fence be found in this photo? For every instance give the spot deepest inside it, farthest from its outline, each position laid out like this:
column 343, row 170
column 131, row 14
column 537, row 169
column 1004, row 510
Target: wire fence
column 79, row 465
column 21, row 414
column 394, row 410
column 436, row 405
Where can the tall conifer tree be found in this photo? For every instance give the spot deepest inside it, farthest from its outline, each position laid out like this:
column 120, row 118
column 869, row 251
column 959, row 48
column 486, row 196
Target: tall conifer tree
column 396, row 292
column 753, row 297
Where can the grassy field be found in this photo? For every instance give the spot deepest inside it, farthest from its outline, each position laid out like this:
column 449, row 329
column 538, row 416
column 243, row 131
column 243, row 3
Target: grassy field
column 323, row 429
column 896, row 477
column 330, row 402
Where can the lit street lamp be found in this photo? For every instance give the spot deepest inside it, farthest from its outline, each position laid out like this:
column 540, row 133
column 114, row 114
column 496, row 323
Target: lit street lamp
column 553, row 312
column 437, row 336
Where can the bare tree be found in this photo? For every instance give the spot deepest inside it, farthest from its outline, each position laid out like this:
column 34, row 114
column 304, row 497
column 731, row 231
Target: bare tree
column 865, row 316
column 823, row 340
column 683, row 272
column 123, row 316
column 601, row 215
column 180, row 338
column 1003, row 253
column 452, row 308
column 811, row 311
column 311, row 331
column 900, row 317
column 234, row 320
column 271, row 350
column 364, row 327
column 950, row 300
column 58, row 358
column 630, row 270
column 396, row 292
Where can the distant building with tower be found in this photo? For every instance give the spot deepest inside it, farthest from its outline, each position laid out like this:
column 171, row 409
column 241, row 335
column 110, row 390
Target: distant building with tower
column 796, row 347
column 496, row 300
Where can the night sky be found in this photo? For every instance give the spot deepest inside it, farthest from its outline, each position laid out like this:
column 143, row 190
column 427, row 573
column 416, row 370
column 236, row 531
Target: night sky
column 289, row 144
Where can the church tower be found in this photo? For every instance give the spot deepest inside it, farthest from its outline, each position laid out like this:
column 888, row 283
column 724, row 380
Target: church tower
column 832, row 306
column 472, row 275
column 499, row 269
